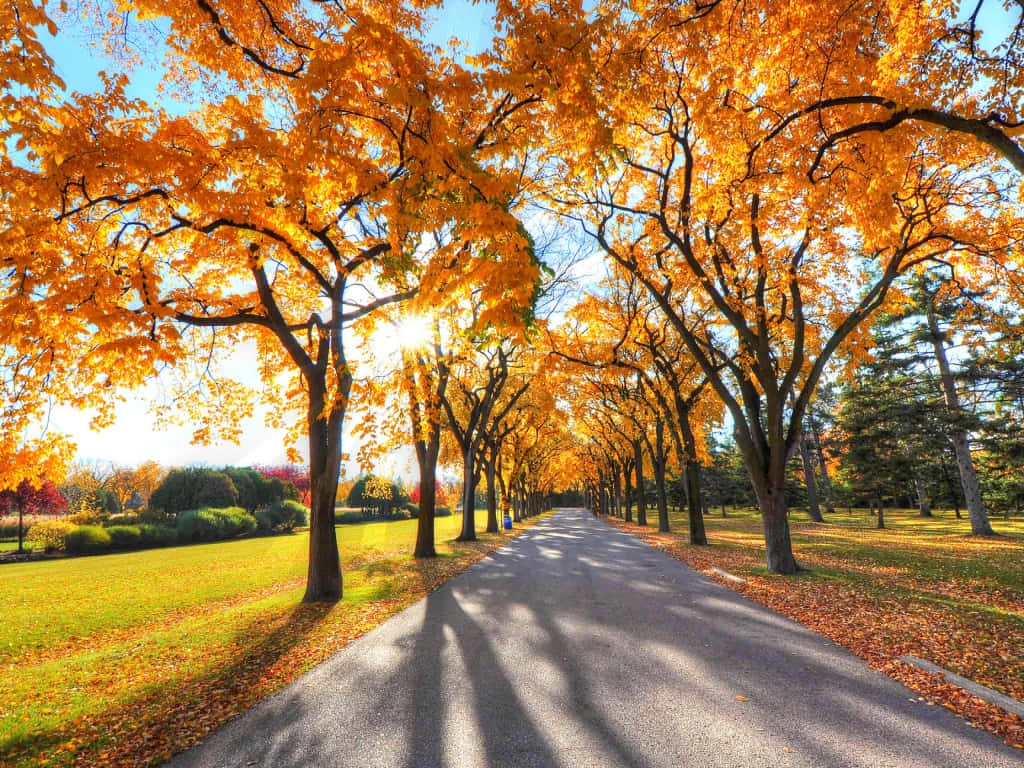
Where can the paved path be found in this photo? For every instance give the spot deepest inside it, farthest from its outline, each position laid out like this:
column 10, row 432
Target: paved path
column 578, row 645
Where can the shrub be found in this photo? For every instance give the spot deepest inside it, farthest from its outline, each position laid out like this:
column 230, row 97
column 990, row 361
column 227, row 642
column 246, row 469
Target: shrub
column 442, row 512
column 194, row 488
column 412, row 509
column 282, row 516
column 214, row 524
column 124, row 536
column 349, row 517
column 157, row 535
column 121, row 520
column 87, row 538
column 256, row 491
column 377, row 494
column 49, row 534
column 88, row 516
column 156, row 516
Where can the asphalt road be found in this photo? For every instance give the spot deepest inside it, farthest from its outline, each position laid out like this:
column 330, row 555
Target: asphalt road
column 578, row 645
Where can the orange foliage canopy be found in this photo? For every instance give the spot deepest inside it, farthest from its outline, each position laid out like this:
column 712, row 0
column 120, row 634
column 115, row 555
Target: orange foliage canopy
column 320, row 145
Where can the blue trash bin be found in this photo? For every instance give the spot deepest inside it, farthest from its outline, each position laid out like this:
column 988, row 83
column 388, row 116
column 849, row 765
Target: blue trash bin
column 507, row 521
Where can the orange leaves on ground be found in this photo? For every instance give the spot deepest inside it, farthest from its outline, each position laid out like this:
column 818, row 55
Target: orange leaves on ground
column 881, row 613
column 151, row 698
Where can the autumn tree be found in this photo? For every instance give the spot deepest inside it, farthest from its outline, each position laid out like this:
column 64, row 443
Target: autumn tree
column 619, row 330
column 29, row 499
column 487, row 373
column 285, row 206
column 766, row 232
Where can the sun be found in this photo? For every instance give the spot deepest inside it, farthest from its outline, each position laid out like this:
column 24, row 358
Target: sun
column 415, row 332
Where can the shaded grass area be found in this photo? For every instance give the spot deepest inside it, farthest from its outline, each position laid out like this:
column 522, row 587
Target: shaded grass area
column 128, row 659
column 921, row 587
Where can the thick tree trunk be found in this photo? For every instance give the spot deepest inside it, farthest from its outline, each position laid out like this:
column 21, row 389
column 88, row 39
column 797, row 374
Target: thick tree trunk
column 641, row 499
column 503, row 493
column 659, row 480
column 323, row 579
column 881, row 514
column 980, row 525
column 426, row 457
column 778, row 545
column 771, row 499
column 468, row 495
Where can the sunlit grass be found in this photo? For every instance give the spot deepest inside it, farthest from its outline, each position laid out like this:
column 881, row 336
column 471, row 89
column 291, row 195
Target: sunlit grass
column 938, row 547
column 117, row 658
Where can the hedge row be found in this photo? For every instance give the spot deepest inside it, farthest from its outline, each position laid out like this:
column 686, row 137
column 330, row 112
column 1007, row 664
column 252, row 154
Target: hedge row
column 194, row 525
column 408, row 511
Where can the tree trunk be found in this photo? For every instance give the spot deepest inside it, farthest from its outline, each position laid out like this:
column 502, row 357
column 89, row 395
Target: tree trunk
column 323, row 579
column 21, row 528
column 691, row 479
column 658, row 461
column 641, row 500
column 492, row 498
column 826, row 481
column 881, row 514
column 778, row 545
column 691, row 476
column 468, row 495
column 924, row 504
column 813, row 510
column 425, row 521
column 723, row 510
column 627, row 475
column 980, row 525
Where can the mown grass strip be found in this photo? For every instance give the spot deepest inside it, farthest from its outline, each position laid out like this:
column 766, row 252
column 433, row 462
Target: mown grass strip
column 164, row 673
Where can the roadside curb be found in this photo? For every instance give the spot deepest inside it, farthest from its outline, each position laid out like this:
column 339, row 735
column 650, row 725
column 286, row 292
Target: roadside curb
column 984, row 693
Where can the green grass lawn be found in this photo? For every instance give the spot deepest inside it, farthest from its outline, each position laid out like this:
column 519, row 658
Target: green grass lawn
column 99, row 652
column 935, row 548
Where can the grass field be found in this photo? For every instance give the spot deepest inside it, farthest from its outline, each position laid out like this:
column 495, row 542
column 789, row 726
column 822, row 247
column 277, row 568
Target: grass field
column 921, row 587
column 125, row 659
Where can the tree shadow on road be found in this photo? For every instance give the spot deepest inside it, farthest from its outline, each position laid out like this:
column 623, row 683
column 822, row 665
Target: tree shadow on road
column 580, row 645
